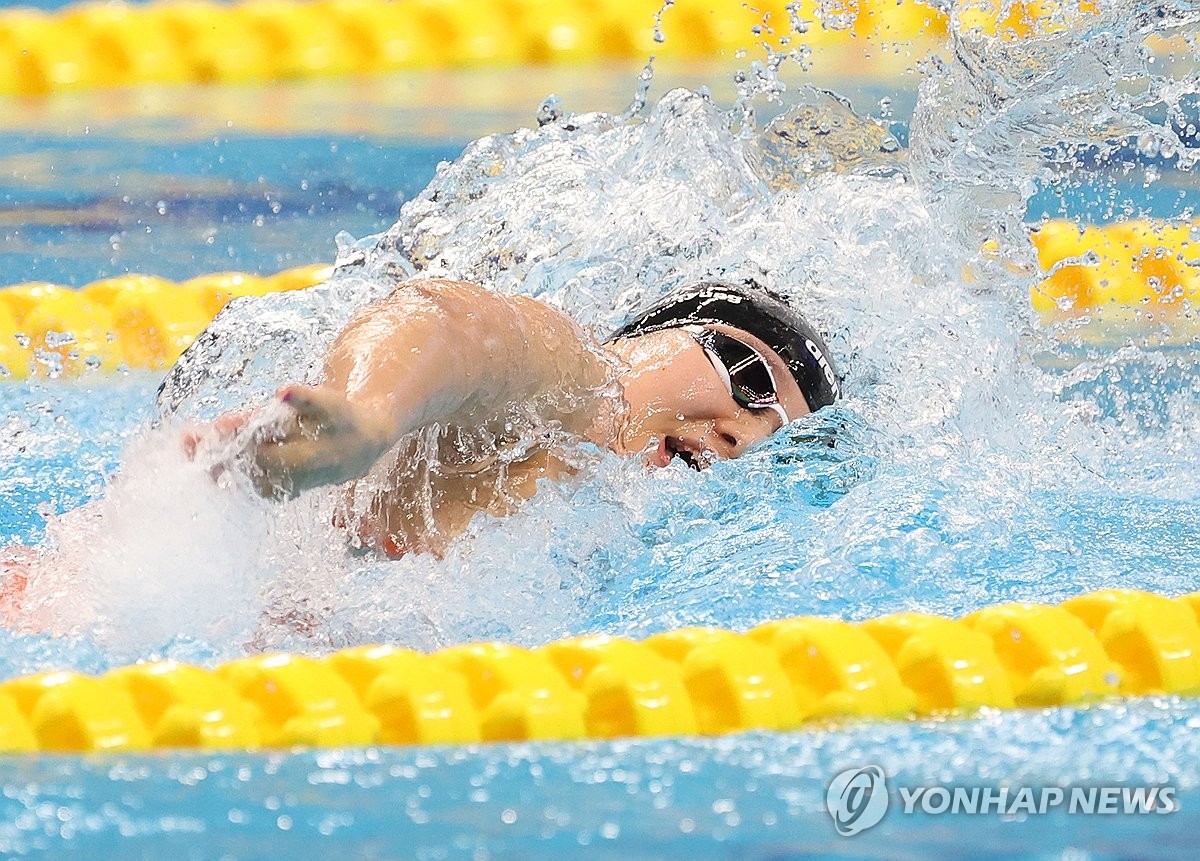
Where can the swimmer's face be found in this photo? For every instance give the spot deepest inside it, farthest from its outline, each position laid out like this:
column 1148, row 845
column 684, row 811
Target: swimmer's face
column 679, row 405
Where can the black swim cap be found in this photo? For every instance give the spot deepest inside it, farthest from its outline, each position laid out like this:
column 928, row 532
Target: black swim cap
column 752, row 309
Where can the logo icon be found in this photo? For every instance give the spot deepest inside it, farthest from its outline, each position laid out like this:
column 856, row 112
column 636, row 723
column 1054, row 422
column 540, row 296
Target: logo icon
column 857, row 799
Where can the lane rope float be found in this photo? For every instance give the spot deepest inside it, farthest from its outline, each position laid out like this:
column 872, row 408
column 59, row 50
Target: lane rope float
column 1139, row 265
column 1124, row 275
column 780, row 675
column 105, row 44
column 129, row 321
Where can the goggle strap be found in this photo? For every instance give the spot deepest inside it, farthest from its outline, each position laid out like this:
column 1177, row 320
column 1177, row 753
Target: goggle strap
column 778, row 407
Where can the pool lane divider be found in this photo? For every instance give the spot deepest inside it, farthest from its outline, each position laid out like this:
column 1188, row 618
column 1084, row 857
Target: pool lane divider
column 782, row 675
column 128, row 321
column 1126, row 272
column 107, row 44
column 1115, row 278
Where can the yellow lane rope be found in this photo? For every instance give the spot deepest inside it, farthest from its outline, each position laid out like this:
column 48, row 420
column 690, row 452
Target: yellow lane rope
column 778, row 676
column 105, row 44
column 1127, row 270
column 134, row 321
column 1123, row 275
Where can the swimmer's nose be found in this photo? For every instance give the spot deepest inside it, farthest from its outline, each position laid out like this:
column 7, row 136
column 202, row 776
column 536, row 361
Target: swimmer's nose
column 721, row 444
column 731, row 445
column 731, row 437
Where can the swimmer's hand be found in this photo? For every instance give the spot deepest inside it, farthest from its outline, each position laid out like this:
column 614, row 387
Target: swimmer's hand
column 322, row 439
column 309, row 437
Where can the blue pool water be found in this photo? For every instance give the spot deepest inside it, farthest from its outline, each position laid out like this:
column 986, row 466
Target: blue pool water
column 755, row 796
column 978, row 458
column 175, row 195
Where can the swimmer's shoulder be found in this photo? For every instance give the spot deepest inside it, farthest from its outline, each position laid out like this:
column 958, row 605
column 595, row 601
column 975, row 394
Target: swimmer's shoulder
column 471, row 300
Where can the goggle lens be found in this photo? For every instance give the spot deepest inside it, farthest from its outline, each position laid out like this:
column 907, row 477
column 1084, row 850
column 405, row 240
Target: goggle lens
column 744, row 369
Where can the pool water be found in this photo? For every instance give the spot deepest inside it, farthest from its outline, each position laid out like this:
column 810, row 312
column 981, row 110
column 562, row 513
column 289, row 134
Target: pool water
column 754, row 796
column 978, row 457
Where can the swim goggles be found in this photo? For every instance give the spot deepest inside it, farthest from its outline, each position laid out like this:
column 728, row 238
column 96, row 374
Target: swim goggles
column 742, row 368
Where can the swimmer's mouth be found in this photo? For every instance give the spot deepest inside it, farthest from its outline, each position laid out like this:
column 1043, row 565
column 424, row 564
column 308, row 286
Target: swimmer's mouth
column 687, row 456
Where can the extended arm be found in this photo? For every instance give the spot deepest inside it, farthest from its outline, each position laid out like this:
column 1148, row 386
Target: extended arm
column 433, row 351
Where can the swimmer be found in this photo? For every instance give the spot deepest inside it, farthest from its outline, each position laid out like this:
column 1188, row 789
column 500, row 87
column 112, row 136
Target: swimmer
column 444, row 399
column 702, row 376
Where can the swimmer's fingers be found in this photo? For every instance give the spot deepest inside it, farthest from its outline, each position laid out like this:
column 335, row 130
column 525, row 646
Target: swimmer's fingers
column 230, row 423
column 223, row 427
column 283, row 468
column 304, row 444
column 16, row 564
column 190, row 440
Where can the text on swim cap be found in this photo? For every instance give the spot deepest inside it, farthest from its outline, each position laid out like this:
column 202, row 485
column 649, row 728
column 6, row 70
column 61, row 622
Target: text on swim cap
column 824, row 364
